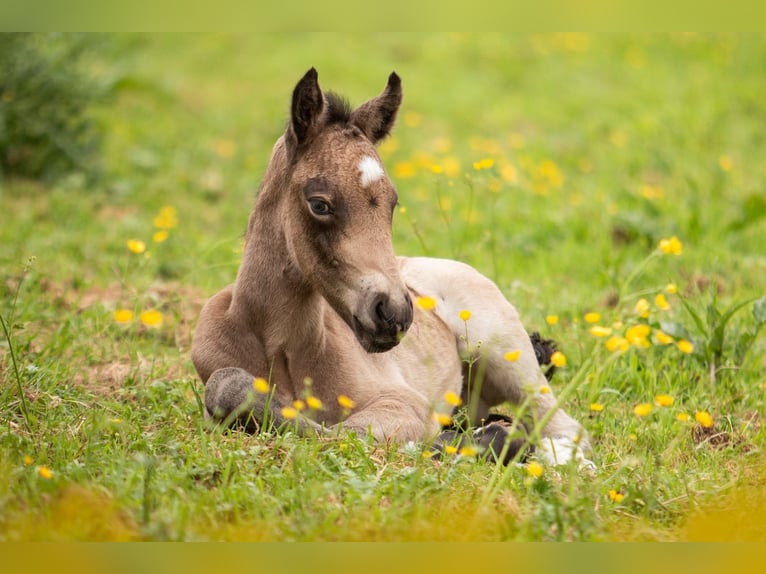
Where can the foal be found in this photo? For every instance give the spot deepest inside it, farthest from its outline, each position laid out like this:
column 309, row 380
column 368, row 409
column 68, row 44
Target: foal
column 321, row 305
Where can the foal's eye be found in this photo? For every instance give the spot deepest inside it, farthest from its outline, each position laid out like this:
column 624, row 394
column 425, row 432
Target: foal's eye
column 319, row 206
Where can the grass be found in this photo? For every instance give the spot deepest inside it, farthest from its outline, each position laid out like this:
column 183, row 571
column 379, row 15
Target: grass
column 589, row 151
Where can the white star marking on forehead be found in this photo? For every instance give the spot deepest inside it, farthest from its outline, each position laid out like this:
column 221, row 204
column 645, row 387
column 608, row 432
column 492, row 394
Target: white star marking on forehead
column 371, row 170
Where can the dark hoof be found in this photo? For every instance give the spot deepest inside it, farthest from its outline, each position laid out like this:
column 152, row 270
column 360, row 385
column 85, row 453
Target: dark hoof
column 493, row 439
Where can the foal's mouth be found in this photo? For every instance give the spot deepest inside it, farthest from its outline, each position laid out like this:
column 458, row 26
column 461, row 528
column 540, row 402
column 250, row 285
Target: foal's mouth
column 375, row 341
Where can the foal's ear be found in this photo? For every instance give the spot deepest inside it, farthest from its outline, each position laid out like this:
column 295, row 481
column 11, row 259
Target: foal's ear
column 306, row 109
column 376, row 117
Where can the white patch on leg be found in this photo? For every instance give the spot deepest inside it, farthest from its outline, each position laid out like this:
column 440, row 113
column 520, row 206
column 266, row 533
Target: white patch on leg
column 560, row 450
column 371, row 170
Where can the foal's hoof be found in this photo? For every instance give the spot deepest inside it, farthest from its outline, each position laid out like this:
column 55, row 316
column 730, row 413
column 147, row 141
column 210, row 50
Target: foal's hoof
column 561, row 450
column 493, row 439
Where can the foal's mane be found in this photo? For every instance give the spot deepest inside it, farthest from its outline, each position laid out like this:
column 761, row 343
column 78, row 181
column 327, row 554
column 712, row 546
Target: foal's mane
column 338, row 110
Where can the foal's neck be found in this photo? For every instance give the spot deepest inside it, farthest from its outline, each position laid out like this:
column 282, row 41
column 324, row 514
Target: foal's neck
column 271, row 293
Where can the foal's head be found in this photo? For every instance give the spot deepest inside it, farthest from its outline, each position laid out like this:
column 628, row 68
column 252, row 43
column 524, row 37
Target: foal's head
column 337, row 212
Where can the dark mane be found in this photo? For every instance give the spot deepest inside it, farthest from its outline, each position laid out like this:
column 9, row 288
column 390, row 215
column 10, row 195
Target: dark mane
column 338, row 110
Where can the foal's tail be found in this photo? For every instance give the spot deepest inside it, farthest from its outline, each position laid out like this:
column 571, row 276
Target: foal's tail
column 544, row 349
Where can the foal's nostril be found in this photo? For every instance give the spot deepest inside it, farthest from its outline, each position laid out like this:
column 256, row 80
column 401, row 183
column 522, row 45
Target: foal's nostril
column 382, row 313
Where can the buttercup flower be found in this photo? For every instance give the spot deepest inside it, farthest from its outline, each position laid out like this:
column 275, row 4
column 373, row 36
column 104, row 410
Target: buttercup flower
column 685, row 346
column 552, row 319
column 299, row 405
column 261, row 385
column 426, row 303
column 123, row 316
column 512, row 356
column 599, row 331
column 45, row 472
column 151, row 318
column 443, row 419
column 535, row 469
column 661, row 302
column 671, row 289
column 453, row 399
column 592, row 317
column 683, row 417
column 314, row 403
column 642, row 409
column 642, row 308
column 704, row 418
column 289, row 413
column 663, row 400
column 346, row 402
column 615, row 496
column 465, row 315
column 468, row 451
column 558, row 359
column 596, row 407
column 617, row 343
column 545, row 389
column 662, row 337
column 671, row 246
column 136, row 246
column 160, row 236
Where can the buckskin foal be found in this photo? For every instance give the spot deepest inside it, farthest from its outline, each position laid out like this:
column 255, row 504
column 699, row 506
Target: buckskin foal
column 321, row 305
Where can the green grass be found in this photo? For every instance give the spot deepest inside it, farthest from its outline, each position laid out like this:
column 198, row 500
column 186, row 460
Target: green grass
column 602, row 146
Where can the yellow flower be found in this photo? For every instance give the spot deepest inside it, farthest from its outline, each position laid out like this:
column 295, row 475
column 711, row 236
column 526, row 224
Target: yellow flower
column 289, row 413
column 45, row 472
column 512, row 356
column 465, row 315
column 167, row 218
column 592, row 317
column 535, row 469
column 663, row 400
column 637, row 335
column 685, row 346
column 346, row 402
column 661, row 302
column 450, row 449
column 642, row 409
column 123, row 316
column 314, row 403
column 443, row 419
column 552, row 319
column 261, row 385
column 671, row 246
column 453, row 399
column 299, row 405
column 160, row 236
column 671, row 288
column 683, row 417
column 596, row 407
column 485, row 163
column 725, row 163
column 404, row 169
column 545, row 389
column 615, row 496
column 437, row 169
column 468, row 451
column 642, row 308
column 599, row 331
column 558, row 359
column 136, row 246
column 151, row 318
column 28, row 460
column 617, row 343
column 704, row 418
column 426, row 303
column 662, row 337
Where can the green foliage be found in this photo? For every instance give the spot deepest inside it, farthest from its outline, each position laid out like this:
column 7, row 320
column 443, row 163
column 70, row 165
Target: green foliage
column 45, row 129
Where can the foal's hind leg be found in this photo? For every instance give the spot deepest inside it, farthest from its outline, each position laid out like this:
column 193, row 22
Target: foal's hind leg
column 493, row 330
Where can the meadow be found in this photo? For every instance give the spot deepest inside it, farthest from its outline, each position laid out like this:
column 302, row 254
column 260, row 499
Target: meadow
column 612, row 186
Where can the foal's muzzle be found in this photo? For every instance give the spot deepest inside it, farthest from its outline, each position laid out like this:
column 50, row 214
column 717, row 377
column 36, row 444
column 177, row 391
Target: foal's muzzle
column 382, row 325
